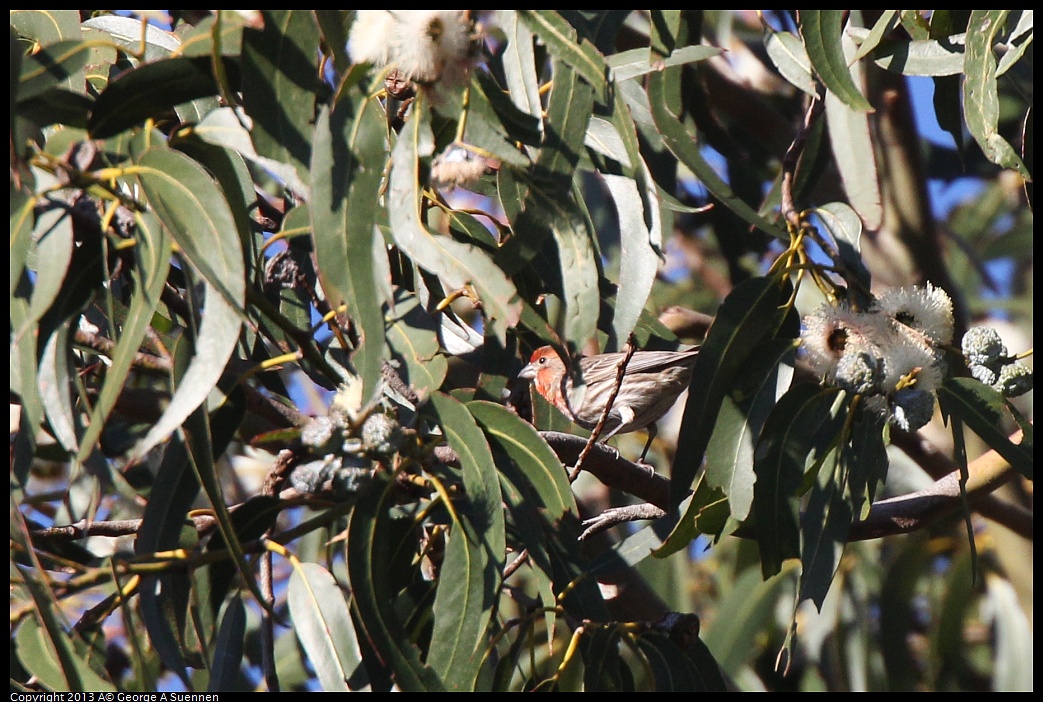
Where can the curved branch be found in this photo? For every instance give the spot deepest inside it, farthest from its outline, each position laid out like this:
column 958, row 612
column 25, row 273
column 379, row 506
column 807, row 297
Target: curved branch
column 895, row 515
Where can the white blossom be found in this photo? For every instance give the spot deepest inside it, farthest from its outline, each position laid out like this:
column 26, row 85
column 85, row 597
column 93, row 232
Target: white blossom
column 927, row 310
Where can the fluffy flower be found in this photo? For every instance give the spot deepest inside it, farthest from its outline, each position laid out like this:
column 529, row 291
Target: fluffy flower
column 368, row 40
column 426, row 46
column 907, row 359
column 832, row 331
column 456, row 167
column 429, row 45
column 926, row 310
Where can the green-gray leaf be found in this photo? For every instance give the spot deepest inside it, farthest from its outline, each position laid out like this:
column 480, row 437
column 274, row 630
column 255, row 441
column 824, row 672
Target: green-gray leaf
column 980, row 92
column 323, row 626
column 455, row 263
column 194, row 209
column 822, row 31
column 346, row 173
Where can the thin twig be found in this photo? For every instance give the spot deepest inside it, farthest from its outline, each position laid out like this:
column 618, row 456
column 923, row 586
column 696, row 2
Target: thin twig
column 107, row 347
column 789, row 163
column 517, row 563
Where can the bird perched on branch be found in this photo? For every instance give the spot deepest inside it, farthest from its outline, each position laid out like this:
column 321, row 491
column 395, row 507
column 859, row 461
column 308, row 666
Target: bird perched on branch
column 652, row 382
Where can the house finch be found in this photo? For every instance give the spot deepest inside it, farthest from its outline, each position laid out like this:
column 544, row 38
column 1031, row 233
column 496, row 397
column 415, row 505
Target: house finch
column 651, row 384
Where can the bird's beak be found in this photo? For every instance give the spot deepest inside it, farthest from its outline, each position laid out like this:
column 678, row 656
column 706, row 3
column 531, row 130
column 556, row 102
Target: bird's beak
column 528, row 372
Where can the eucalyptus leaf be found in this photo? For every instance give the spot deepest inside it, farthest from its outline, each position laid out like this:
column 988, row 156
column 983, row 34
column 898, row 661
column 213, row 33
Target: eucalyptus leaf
column 228, row 647
column 749, row 316
column 853, row 150
column 822, row 31
column 196, row 213
column 826, row 523
column 369, row 567
column 455, row 263
column 984, row 411
column 790, row 57
column 59, row 64
column 804, row 419
column 347, row 170
column 561, row 40
column 981, row 93
column 46, row 26
column 152, row 89
column 323, row 626
column 152, row 257
column 464, row 601
column 280, row 83
column 519, row 64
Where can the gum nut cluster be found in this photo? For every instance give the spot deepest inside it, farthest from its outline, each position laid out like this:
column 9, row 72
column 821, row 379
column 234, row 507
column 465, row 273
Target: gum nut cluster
column 989, row 362
column 427, row 46
column 890, row 354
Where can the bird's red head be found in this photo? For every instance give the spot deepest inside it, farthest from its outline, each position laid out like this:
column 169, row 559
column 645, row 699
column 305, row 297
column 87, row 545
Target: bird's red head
column 543, row 362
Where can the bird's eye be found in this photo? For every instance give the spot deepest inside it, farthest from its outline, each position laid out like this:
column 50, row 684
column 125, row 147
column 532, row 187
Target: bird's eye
column 543, row 360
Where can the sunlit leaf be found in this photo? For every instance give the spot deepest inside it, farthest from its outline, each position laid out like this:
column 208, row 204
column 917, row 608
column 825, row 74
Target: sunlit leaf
column 635, row 62
column 230, row 127
column 413, row 337
column 923, row 57
column 853, row 151
column 56, row 385
column 456, row 264
column 280, row 80
column 55, row 246
column 980, row 92
column 884, row 24
column 640, row 227
column 324, row 628
column 346, row 173
column 129, row 32
column 1014, row 639
column 749, row 316
column 983, row 410
column 197, row 215
column 561, row 39
column 822, row 31
column 152, row 89
column 845, row 227
column 788, row 54
column 59, row 64
column 519, row 64
column 464, row 601
column 46, row 26
column 730, row 452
